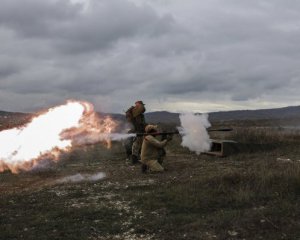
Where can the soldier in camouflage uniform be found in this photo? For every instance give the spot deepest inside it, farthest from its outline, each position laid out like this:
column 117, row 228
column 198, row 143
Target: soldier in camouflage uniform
column 139, row 123
column 151, row 149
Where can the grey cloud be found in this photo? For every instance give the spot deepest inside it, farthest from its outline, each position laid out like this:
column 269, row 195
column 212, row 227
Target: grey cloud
column 90, row 86
column 34, row 85
column 73, row 30
column 108, row 23
column 33, row 18
column 117, row 51
column 7, row 70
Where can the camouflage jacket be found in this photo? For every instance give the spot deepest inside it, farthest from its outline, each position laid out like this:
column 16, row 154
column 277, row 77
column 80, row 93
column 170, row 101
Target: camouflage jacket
column 138, row 120
column 151, row 147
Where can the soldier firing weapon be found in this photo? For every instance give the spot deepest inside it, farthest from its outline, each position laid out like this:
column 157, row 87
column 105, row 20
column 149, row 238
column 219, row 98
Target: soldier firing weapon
column 165, row 135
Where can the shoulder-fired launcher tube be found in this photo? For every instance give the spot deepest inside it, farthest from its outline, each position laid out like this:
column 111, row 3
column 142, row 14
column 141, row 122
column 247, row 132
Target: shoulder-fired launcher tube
column 219, row 129
column 177, row 132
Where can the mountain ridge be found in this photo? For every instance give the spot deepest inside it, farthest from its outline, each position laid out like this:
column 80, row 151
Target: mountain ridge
column 290, row 112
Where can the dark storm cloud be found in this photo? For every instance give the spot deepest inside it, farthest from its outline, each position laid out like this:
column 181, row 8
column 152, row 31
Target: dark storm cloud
column 117, row 51
column 72, row 30
column 108, row 23
column 33, row 18
column 7, row 70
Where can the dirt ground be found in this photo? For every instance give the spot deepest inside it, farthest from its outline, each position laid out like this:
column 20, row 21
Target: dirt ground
column 95, row 193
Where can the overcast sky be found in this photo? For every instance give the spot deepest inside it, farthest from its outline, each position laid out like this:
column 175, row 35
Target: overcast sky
column 175, row 55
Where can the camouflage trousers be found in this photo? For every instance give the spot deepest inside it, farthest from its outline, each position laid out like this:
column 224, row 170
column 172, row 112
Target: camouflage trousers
column 136, row 146
column 154, row 166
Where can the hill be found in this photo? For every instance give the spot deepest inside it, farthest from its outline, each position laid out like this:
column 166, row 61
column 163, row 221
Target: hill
column 260, row 114
column 275, row 113
column 13, row 119
column 290, row 114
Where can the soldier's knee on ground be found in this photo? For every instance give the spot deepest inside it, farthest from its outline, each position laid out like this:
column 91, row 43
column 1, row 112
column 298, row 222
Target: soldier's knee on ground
column 154, row 166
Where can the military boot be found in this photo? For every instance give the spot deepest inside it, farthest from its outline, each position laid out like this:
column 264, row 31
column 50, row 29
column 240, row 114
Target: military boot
column 134, row 159
column 144, row 168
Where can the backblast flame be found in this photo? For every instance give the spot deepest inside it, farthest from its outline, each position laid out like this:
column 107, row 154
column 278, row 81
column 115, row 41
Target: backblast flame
column 50, row 133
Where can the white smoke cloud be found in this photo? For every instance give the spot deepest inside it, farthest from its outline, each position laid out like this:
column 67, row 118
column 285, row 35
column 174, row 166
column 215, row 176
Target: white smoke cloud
column 194, row 133
column 93, row 138
column 82, row 178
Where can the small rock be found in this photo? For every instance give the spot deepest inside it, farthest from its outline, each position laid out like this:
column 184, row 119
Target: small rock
column 232, row 233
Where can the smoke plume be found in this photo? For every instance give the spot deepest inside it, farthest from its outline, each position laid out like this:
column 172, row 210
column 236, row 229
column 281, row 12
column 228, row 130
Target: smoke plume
column 82, row 178
column 194, row 133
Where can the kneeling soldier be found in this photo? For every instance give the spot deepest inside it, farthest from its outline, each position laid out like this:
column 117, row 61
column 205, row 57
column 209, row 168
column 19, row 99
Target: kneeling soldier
column 151, row 148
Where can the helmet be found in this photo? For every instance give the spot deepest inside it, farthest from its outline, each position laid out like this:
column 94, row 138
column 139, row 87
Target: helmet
column 150, row 128
column 139, row 102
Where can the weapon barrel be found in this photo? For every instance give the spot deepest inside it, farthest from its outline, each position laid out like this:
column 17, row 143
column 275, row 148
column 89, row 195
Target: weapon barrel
column 219, row 130
column 158, row 133
column 177, row 132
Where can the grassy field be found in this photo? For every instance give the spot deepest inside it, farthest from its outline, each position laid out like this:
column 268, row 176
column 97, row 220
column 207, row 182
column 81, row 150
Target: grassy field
column 248, row 195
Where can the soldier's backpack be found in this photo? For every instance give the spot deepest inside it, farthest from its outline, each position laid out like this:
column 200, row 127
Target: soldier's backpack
column 129, row 114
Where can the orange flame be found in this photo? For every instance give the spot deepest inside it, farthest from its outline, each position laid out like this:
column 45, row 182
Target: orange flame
column 51, row 133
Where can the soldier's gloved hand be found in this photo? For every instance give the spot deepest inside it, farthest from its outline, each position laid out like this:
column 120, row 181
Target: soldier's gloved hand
column 169, row 138
column 164, row 136
column 131, row 131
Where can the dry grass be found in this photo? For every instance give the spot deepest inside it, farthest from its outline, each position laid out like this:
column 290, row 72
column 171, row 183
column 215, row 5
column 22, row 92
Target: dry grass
column 243, row 196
